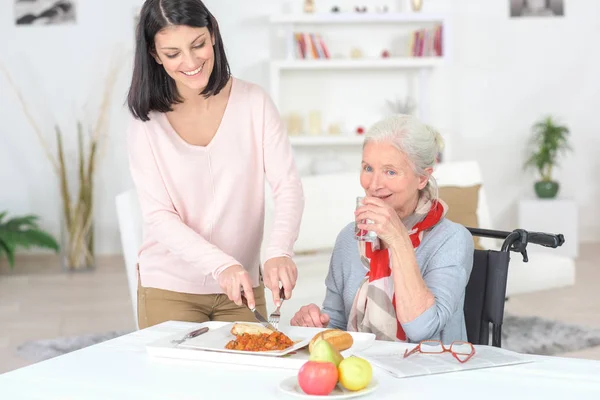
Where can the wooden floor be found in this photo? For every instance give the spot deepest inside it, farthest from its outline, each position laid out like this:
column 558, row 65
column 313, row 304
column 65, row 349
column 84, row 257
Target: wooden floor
column 39, row 301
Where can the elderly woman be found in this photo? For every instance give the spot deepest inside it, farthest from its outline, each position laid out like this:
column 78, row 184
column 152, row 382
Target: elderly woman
column 409, row 284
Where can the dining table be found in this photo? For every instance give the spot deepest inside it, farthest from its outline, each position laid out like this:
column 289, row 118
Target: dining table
column 122, row 368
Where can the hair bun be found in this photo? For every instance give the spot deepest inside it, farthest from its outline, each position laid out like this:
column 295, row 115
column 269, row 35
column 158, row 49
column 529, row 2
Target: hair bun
column 437, row 138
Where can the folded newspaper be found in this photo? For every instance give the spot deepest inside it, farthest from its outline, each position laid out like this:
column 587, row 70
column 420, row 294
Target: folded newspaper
column 428, row 364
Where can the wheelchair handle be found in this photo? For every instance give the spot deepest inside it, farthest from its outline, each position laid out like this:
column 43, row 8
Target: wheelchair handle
column 546, row 239
column 518, row 239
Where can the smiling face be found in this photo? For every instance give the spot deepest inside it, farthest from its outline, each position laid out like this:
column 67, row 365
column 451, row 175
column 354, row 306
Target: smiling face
column 187, row 55
column 388, row 174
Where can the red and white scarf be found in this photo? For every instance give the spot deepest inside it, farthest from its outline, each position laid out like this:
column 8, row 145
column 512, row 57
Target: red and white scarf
column 374, row 306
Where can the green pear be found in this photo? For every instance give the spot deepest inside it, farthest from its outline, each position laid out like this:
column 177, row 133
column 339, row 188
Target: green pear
column 324, row 351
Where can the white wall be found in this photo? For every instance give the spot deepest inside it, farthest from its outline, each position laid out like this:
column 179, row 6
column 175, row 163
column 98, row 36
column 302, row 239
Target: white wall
column 60, row 66
column 504, row 75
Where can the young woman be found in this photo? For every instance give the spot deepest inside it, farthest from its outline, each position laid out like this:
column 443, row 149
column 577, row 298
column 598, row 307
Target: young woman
column 410, row 284
column 201, row 146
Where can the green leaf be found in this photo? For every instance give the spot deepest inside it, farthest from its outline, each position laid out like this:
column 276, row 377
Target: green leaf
column 23, row 232
column 28, row 238
column 20, row 222
column 10, row 254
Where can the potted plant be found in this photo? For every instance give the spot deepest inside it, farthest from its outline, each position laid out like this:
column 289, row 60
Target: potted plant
column 549, row 139
column 22, row 232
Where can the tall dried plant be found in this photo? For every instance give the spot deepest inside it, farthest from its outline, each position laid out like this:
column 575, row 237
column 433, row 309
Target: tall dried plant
column 77, row 210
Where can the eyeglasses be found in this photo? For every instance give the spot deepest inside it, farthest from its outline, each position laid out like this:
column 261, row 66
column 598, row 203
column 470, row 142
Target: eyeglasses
column 462, row 351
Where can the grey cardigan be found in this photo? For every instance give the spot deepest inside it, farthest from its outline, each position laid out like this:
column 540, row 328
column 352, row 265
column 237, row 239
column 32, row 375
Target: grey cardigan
column 445, row 258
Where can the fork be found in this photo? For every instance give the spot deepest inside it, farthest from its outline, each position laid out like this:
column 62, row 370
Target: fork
column 276, row 315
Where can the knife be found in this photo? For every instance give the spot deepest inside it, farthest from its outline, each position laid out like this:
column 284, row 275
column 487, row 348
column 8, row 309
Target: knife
column 263, row 321
column 190, row 335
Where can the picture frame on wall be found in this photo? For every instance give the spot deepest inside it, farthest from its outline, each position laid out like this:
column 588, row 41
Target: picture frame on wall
column 45, row 12
column 536, row 8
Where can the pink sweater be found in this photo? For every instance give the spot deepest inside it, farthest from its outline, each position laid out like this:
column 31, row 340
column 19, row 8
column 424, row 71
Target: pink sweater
column 203, row 206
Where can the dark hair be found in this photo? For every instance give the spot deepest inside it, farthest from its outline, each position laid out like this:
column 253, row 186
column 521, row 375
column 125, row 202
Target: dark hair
column 152, row 89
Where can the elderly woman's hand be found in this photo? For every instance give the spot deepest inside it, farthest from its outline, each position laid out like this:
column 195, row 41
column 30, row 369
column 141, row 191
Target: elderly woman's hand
column 310, row 315
column 386, row 223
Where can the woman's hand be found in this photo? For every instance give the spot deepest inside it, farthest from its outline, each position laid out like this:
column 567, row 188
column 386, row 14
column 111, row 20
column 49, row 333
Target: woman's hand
column 386, row 223
column 280, row 269
column 232, row 280
column 311, row 316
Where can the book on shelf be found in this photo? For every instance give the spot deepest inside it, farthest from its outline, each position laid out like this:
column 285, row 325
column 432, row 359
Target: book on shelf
column 310, row 46
column 427, row 42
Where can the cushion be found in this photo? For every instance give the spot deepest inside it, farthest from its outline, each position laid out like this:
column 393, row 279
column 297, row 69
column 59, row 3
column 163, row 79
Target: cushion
column 462, row 204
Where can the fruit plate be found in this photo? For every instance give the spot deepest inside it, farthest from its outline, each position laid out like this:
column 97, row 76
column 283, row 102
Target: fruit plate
column 290, row 386
column 164, row 348
column 216, row 339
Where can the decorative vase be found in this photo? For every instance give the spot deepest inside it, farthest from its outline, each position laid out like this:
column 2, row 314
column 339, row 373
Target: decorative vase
column 416, row 5
column 294, row 124
column 546, row 189
column 77, row 250
column 77, row 235
column 314, row 123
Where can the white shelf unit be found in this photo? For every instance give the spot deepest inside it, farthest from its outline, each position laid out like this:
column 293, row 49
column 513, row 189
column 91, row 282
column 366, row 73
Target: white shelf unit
column 350, row 17
column 321, row 140
column 375, row 63
column 423, row 65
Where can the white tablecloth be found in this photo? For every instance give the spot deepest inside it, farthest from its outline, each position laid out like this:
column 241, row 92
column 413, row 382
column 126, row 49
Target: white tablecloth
column 121, row 369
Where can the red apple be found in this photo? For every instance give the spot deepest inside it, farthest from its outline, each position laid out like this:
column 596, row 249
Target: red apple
column 318, row 377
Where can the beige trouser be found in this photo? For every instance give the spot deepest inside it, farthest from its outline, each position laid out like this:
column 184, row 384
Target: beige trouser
column 158, row 305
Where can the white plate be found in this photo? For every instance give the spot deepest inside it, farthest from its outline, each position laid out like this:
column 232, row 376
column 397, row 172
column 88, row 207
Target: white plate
column 217, row 339
column 291, row 387
column 164, row 348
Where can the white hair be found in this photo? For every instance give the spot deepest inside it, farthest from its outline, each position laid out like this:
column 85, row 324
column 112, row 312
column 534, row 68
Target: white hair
column 418, row 141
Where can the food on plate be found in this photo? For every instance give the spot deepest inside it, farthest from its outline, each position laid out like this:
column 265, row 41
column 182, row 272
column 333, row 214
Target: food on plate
column 317, row 377
column 240, row 328
column 324, row 351
column 339, row 339
column 250, row 337
column 355, row 373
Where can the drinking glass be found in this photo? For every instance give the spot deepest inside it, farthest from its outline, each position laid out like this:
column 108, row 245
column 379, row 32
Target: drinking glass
column 363, row 234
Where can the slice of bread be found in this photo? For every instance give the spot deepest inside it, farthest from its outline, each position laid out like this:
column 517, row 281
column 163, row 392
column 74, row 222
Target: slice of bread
column 339, row 339
column 252, row 329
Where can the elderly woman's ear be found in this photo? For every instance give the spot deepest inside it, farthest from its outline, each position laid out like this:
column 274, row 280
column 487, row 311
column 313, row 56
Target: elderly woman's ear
column 424, row 179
